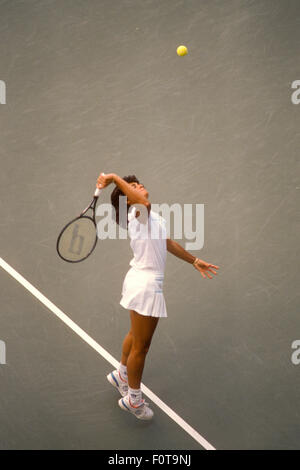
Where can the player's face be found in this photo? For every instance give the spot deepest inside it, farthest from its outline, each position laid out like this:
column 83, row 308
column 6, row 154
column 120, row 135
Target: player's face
column 139, row 187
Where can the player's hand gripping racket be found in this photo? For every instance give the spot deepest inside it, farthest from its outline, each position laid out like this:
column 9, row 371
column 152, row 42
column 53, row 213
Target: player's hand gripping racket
column 78, row 238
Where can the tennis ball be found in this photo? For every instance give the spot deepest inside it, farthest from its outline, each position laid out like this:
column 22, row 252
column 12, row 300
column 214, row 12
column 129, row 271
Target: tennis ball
column 182, row 50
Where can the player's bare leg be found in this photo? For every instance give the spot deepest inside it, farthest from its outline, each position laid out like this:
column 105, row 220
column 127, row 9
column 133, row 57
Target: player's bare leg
column 127, row 344
column 118, row 378
column 142, row 329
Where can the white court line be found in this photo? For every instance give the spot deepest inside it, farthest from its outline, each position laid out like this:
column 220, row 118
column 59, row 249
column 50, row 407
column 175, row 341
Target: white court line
column 174, row 416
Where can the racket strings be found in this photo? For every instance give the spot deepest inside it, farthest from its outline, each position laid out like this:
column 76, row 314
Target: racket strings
column 77, row 240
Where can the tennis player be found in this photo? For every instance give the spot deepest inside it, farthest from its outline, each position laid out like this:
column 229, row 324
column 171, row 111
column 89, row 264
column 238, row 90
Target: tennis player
column 142, row 292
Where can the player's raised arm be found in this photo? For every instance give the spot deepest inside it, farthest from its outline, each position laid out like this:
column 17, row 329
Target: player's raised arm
column 135, row 194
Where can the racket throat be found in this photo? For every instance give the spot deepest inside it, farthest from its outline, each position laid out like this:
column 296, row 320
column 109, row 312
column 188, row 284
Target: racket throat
column 92, row 206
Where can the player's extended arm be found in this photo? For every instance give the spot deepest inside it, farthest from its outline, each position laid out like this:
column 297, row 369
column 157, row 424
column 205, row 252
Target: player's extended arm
column 201, row 266
column 177, row 250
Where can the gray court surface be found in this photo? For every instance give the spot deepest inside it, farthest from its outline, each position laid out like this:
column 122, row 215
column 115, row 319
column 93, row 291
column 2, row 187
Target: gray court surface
column 96, row 86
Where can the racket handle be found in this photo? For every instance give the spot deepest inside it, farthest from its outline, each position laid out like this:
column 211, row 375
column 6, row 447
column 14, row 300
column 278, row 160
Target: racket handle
column 98, row 191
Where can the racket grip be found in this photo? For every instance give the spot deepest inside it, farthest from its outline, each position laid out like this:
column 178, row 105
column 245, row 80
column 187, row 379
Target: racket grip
column 98, row 191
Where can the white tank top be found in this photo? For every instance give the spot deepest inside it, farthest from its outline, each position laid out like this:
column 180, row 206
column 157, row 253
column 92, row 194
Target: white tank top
column 148, row 242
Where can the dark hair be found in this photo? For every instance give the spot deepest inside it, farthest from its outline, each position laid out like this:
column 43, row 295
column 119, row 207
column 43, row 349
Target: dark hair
column 114, row 197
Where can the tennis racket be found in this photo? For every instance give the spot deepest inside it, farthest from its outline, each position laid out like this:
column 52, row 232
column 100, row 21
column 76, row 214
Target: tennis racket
column 78, row 238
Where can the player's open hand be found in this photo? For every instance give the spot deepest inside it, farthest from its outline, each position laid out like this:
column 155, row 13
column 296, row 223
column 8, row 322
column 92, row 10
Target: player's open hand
column 205, row 268
column 104, row 180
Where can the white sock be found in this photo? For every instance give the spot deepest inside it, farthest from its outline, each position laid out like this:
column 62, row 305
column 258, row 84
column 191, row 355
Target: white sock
column 135, row 395
column 123, row 371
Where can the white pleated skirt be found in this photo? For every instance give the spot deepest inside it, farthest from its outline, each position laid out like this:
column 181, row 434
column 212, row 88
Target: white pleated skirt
column 143, row 292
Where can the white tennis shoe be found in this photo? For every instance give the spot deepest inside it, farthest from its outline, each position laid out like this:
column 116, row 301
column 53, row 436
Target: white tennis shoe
column 141, row 411
column 118, row 382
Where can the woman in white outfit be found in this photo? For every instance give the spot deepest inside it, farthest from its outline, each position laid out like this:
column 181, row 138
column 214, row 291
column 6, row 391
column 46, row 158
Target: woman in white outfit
column 142, row 292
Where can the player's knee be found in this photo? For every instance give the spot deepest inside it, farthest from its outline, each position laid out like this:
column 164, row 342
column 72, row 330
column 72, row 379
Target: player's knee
column 141, row 347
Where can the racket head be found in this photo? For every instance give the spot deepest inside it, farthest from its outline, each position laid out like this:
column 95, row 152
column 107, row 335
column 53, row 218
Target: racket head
column 77, row 239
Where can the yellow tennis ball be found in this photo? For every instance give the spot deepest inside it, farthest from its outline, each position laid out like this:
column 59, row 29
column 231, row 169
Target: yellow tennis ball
column 182, row 50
